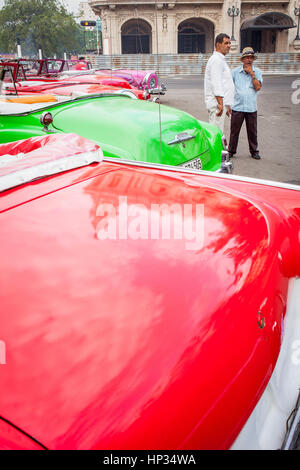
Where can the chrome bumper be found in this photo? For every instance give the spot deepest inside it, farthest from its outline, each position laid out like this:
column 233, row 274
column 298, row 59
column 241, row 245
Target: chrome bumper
column 226, row 164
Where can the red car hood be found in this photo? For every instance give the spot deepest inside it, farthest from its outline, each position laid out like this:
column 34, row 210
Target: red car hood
column 141, row 343
column 67, row 88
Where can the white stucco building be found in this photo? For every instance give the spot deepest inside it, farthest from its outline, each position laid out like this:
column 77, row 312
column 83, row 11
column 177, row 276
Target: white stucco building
column 188, row 26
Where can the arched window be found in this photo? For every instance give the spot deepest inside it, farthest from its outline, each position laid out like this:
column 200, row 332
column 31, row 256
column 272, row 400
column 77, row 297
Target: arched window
column 261, row 32
column 136, row 37
column 191, row 38
column 195, row 35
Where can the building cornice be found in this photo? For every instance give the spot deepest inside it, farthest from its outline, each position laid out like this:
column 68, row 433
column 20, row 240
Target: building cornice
column 170, row 5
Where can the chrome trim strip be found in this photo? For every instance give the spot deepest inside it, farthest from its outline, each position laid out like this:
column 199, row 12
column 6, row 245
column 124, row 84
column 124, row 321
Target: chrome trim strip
column 159, row 166
column 293, row 433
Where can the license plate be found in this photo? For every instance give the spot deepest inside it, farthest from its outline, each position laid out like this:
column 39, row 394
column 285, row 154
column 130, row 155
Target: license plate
column 193, row 164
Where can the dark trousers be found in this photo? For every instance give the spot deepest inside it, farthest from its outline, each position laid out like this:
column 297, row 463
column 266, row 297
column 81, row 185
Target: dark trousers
column 237, row 119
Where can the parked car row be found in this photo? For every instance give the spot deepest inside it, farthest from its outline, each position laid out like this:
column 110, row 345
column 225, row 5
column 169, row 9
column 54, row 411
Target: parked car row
column 141, row 84
column 131, row 129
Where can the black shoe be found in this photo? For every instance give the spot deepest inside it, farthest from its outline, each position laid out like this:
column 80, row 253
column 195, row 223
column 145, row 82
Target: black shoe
column 256, row 156
column 230, row 155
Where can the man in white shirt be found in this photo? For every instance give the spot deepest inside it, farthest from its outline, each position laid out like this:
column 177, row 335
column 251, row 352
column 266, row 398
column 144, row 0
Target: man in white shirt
column 218, row 83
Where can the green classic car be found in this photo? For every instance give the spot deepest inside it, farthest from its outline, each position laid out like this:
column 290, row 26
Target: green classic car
column 124, row 128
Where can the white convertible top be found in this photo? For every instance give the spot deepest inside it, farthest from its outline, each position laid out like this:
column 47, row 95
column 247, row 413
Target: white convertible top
column 19, row 108
column 38, row 157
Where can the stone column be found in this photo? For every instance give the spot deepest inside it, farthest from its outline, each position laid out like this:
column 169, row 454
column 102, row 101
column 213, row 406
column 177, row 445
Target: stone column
column 114, row 31
column 281, row 41
column 106, row 31
column 171, row 42
column 158, row 30
column 172, row 39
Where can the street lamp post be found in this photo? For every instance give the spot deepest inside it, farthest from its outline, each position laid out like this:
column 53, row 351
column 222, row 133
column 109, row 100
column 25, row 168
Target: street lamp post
column 98, row 30
column 233, row 12
column 297, row 13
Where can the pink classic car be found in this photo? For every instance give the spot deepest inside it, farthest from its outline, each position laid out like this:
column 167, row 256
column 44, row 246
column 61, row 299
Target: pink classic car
column 144, row 307
column 141, row 79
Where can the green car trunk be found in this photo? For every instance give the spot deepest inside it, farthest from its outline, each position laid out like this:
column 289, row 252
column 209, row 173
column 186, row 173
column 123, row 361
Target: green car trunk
column 125, row 128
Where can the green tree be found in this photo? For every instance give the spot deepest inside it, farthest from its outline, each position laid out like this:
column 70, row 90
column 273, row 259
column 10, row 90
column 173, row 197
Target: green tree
column 38, row 24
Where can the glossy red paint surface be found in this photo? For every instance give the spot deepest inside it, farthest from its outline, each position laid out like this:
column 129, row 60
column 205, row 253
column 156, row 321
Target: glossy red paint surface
column 14, row 439
column 138, row 78
column 66, row 88
column 100, row 79
column 89, row 88
column 128, row 344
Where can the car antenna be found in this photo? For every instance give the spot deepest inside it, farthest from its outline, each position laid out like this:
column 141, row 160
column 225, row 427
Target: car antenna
column 139, row 42
column 157, row 67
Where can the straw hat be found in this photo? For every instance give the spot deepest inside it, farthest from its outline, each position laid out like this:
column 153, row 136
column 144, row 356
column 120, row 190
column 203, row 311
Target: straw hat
column 248, row 51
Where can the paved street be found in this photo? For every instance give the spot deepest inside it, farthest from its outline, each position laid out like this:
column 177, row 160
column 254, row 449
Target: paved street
column 278, row 125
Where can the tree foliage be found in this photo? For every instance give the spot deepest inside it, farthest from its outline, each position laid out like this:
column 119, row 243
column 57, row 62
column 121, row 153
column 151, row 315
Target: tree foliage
column 38, row 24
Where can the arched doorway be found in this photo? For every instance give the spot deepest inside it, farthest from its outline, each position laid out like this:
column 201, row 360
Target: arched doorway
column 136, row 37
column 267, row 32
column 195, row 35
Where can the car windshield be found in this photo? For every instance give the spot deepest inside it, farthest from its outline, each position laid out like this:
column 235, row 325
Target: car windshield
column 54, row 66
column 12, row 71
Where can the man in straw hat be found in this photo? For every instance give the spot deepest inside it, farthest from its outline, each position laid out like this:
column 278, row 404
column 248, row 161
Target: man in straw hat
column 248, row 81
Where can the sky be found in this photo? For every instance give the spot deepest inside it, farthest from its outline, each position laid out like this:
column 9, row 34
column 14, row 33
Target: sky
column 71, row 6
